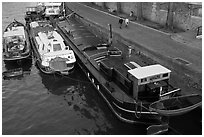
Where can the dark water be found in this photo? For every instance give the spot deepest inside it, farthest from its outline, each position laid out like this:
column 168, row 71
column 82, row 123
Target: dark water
column 48, row 104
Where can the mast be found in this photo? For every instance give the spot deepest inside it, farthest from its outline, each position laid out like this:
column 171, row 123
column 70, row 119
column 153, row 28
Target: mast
column 63, row 8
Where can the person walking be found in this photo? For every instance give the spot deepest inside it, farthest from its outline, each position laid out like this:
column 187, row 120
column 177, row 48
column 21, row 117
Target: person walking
column 120, row 22
column 131, row 13
column 126, row 22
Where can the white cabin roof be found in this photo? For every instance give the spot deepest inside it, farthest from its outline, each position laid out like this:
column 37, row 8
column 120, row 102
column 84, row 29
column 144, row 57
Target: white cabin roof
column 16, row 31
column 148, row 71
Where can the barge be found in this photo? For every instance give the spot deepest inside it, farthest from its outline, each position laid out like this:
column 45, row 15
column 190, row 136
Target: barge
column 127, row 84
column 16, row 44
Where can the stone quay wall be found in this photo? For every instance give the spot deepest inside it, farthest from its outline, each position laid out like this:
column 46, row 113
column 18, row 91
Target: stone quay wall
column 186, row 16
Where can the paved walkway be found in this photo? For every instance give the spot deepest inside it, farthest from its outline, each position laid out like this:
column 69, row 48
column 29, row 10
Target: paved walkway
column 173, row 46
column 188, row 38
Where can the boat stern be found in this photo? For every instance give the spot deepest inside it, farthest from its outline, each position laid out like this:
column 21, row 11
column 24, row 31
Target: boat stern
column 62, row 62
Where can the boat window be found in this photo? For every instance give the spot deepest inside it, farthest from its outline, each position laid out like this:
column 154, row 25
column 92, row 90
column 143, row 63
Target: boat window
column 143, row 80
column 49, row 7
column 154, row 77
column 55, row 6
column 165, row 75
column 56, row 47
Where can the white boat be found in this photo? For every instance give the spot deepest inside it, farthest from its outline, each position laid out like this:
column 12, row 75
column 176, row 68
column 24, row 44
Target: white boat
column 51, row 53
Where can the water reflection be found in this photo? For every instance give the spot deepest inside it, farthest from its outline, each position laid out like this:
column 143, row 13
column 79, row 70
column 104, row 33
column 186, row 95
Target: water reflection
column 81, row 99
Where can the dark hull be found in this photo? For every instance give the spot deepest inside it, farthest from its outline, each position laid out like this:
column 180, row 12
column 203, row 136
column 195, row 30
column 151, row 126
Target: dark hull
column 19, row 55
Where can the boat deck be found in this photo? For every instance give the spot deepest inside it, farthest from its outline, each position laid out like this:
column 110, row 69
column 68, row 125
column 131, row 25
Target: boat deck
column 83, row 38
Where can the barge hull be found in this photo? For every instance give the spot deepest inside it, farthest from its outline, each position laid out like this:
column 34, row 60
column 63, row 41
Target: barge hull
column 123, row 110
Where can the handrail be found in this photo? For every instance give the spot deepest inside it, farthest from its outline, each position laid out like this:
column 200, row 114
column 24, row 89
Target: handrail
column 175, row 90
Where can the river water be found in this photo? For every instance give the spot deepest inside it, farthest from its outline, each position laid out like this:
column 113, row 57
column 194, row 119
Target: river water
column 40, row 104
column 48, row 104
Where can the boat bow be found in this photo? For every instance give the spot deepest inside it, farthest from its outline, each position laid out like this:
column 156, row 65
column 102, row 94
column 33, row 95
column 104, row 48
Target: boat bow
column 176, row 105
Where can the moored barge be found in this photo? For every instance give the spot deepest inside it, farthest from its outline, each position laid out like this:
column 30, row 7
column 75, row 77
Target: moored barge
column 125, row 82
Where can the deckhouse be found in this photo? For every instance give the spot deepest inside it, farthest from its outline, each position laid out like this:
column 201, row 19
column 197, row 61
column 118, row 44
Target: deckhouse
column 153, row 77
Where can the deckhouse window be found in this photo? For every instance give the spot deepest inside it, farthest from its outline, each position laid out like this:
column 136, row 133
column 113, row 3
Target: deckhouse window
column 143, row 80
column 165, row 75
column 154, row 77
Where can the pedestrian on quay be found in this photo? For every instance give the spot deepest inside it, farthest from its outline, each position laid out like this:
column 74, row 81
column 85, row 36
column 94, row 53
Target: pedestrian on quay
column 120, row 22
column 126, row 22
column 131, row 13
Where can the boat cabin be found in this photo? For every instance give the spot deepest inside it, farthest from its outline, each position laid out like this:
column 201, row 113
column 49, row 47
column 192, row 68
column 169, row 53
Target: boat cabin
column 14, row 39
column 52, row 8
column 149, row 82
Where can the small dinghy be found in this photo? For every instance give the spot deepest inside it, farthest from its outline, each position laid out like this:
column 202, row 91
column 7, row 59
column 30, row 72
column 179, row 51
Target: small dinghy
column 13, row 73
column 176, row 105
